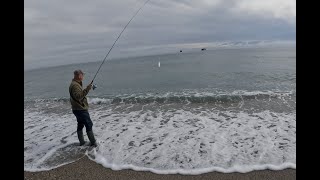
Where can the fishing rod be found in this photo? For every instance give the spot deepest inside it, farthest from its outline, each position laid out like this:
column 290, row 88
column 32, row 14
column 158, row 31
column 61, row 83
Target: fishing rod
column 94, row 86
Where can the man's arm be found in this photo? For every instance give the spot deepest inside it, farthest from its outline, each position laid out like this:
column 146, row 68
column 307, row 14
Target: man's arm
column 78, row 93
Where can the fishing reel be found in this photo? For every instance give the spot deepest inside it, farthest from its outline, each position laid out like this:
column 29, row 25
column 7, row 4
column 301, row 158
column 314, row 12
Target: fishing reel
column 94, row 87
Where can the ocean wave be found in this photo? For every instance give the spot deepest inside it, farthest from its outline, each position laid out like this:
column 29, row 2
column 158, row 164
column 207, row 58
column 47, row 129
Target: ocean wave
column 184, row 97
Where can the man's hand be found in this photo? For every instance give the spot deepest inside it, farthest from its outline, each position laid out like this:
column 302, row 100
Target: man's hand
column 89, row 87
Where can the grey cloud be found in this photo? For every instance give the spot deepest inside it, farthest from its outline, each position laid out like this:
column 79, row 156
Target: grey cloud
column 58, row 32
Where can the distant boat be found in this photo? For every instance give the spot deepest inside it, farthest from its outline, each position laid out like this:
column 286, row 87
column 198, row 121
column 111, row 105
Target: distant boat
column 203, row 49
column 180, row 50
column 159, row 64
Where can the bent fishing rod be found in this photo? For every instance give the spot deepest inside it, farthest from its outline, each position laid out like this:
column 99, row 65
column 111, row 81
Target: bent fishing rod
column 94, row 86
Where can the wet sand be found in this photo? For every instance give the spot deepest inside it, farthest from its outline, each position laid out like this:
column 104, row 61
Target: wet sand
column 87, row 169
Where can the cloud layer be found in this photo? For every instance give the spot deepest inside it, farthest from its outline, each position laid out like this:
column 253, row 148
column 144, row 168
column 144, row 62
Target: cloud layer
column 63, row 32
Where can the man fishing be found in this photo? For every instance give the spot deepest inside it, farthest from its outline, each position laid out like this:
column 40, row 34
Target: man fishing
column 80, row 107
column 78, row 96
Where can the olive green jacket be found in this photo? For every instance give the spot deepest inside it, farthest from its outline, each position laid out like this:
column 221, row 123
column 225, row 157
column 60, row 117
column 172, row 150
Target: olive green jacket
column 78, row 97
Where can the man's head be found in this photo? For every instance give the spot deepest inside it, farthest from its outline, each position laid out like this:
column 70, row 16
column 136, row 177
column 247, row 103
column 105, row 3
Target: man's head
column 78, row 75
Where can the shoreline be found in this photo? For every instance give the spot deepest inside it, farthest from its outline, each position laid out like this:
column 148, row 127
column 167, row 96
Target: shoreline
column 87, row 169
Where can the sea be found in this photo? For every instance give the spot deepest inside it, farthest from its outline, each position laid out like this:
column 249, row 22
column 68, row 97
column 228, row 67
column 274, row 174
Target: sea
column 224, row 110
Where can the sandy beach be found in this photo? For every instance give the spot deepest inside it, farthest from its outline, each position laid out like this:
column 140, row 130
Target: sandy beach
column 87, row 169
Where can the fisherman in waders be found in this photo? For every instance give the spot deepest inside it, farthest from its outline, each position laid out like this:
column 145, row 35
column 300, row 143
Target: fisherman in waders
column 80, row 107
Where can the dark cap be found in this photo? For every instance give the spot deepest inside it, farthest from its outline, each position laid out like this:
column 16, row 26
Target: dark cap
column 77, row 72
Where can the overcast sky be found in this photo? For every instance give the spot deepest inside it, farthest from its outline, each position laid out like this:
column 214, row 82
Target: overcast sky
column 74, row 31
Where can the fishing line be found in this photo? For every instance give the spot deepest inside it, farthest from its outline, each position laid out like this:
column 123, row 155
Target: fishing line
column 94, row 86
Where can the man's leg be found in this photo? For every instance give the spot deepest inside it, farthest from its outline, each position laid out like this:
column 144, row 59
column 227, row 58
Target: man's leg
column 80, row 134
column 89, row 124
column 79, row 127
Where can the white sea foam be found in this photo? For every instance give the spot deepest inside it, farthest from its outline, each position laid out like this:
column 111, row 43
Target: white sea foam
column 44, row 134
column 166, row 139
column 99, row 100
